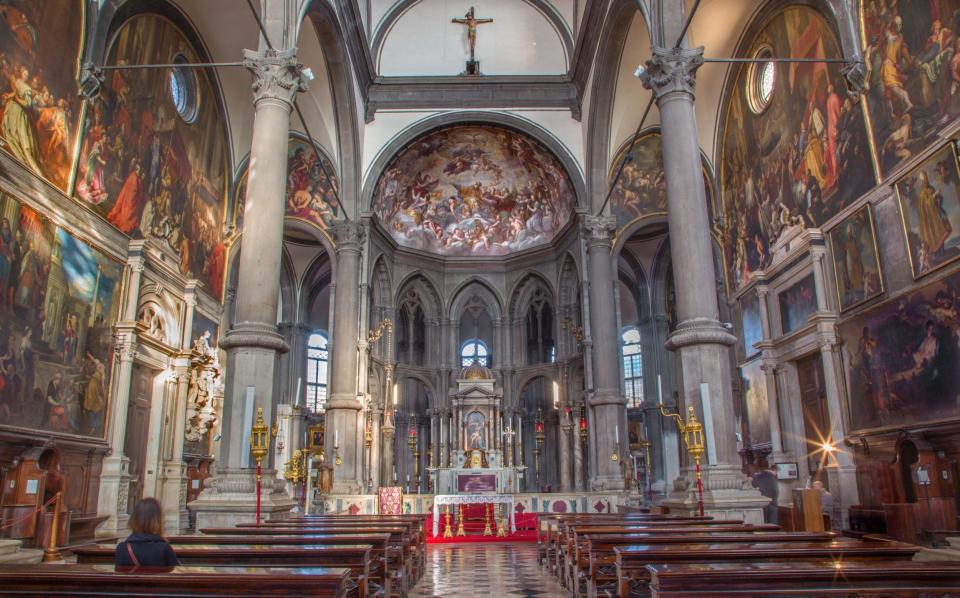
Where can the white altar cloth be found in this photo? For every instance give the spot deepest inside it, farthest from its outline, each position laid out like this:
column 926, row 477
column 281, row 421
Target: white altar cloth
column 471, row 499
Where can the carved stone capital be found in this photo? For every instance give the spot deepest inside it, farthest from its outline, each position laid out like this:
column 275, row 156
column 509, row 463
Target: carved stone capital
column 672, row 70
column 599, row 229
column 699, row 331
column 250, row 335
column 348, row 235
column 276, row 75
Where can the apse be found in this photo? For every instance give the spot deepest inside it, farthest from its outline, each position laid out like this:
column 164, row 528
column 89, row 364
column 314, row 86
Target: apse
column 474, row 190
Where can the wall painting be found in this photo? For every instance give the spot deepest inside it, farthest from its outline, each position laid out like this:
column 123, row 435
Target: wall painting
column 58, row 303
column 795, row 157
column 754, row 384
column 930, row 210
column 913, row 73
column 40, row 43
column 155, row 168
column 474, row 190
column 312, row 188
column 900, row 358
column 752, row 325
column 797, row 303
column 856, row 262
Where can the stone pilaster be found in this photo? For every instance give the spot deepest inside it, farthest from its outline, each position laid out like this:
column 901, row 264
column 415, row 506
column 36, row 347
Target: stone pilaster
column 700, row 338
column 252, row 345
column 607, row 402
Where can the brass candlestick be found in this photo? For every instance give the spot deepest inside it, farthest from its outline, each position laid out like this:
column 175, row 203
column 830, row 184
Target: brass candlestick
column 51, row 553
column 460, row 530
column 448, row 531
column 487, row 530
column 259, row 442
column 501, row 527
column 692, row 431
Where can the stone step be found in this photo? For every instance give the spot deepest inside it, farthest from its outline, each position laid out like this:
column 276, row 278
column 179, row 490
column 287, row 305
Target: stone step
column 8, row 546
column 937, row 554
column 25, row 556
column 954, row 542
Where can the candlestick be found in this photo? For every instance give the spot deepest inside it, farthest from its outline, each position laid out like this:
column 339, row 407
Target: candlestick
column 659, row 390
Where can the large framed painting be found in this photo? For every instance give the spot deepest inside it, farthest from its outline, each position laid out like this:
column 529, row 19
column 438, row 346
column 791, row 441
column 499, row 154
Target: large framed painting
column 930, row 210
column 797, row 303
column 913, row 73
column 159, row 169
column 752, row 325
column 59, row 299
column 755, row 397
column 856, row 262
column 474, row 190
column 40, row 45
column 900, row 358
column 641, row 190
column 794, row 146
column 312, row 190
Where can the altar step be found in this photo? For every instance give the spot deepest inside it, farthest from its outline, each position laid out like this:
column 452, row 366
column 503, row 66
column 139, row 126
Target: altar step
column 12, row 553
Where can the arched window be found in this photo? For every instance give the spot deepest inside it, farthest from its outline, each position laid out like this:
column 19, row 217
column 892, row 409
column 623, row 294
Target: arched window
column 632, row 366
column 474, row 349
column 318, row 360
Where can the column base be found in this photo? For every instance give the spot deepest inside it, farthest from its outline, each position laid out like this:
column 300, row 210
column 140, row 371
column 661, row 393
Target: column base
column 231, row 498
column 113, row 496
column 173, row 497
column 727, row 494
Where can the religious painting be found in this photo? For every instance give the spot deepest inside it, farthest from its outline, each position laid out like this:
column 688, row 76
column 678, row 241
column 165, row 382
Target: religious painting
column 205, row 330
column 900, row 358
column 754, row 384
column 797, row 303
column 58, row 303
column 752, row 325
column 856, row 262
column 474, row 190
column 158, row 169
column 930, row 210
column 312, row 188
column 913, row 73
column 795, row 148
column 40, row 43
column 641, row 190
column 476, row 432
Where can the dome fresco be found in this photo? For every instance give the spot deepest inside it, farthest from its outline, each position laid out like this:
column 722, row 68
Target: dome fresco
column 474, row 190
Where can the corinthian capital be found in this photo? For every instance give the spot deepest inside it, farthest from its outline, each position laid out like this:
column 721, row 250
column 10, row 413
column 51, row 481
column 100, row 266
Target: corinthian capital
column 599, row 228
column 348, row 235
column 276, row 74
column 672, row 70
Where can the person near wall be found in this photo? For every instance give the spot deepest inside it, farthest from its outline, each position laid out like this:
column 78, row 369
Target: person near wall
column 765, row 480
column 146, row 547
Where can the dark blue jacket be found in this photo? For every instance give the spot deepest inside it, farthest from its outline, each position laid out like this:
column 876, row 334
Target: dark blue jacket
column 151, row 551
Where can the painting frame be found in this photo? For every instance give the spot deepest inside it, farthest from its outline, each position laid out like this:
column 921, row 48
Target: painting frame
column 936, row 157
column 748, row 302
column 832, row 234
column 792, row 320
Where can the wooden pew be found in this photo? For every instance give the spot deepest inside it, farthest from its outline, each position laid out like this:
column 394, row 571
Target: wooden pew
column 632, row 561
column 807, row 579
column 381, row 571
column 100, row 580
column 355, row 557
column 595, row 559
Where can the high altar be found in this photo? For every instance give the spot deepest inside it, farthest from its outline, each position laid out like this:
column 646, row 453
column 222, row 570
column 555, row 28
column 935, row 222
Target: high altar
column 482, row 460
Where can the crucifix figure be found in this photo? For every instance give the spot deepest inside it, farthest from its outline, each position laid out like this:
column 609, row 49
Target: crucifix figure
column 471, row 22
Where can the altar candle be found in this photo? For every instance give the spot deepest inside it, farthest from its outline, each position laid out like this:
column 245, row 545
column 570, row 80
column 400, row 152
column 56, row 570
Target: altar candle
column 336, row 438
column 616, row 434
column 296, row 397
column 659, row 390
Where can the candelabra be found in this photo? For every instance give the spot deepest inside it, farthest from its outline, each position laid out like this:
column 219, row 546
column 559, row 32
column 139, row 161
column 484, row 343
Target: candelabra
column 259, row 442
column 539, row 436
column 508, row 435
column 295, row 472
column 575, row 331
column 368, row 447
column 692, row 431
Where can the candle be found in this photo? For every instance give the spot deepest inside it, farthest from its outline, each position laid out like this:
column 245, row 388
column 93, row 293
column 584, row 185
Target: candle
column 659, row 390
column 616, row 434
column 336, row 438
column 296, row 398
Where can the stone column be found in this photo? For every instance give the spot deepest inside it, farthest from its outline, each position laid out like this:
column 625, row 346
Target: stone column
column 253, row 343
column 700, row 338
column 564, row 439
column 343, row 408
column 114, row 477
column 607, row 402
column 579, row 486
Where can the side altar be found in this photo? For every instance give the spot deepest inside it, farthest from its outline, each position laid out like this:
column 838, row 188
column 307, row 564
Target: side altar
column 481, row 461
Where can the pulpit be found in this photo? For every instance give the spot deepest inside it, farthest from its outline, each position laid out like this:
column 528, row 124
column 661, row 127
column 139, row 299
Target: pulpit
column 32, row 482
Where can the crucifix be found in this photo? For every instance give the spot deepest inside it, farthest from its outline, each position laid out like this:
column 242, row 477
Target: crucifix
column 471, row 22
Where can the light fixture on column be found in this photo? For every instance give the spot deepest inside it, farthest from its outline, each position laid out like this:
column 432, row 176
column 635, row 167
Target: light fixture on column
column 556, row 395
column 575, row 331
column 412, row 443
column 539, row 436
column 336, row 448
column 692, row 431
column 584, row 431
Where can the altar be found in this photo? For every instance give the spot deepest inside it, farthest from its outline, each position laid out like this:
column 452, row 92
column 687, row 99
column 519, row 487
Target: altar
column 447, row 502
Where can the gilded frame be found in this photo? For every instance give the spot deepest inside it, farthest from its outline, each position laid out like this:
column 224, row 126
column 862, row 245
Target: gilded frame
column 876, row 256
column 951, row 148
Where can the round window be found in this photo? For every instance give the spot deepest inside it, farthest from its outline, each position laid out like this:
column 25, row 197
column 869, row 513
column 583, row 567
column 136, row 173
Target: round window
column 183, row 89
column 762, row 81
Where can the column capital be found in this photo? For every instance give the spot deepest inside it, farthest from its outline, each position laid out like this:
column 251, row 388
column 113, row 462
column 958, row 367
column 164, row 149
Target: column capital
column 599, row 229
column 672, row 70
column 276, row 75
column 348, row 235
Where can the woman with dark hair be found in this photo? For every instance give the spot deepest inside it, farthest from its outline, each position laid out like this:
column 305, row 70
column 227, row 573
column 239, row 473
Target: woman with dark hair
column 145, row 547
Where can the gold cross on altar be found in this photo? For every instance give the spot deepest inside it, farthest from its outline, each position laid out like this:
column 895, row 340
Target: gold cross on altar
column 471, row 22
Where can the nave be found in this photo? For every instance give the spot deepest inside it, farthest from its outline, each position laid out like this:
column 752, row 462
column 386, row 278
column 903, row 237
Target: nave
column 480, row 570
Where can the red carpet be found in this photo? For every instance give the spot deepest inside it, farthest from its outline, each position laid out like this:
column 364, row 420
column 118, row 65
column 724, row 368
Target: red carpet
column 474, row 523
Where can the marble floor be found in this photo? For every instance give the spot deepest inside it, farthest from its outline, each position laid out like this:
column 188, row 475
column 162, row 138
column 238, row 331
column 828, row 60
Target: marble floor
column 482, row 570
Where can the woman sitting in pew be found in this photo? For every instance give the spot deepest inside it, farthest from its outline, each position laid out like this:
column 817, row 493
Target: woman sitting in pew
column 145, row 547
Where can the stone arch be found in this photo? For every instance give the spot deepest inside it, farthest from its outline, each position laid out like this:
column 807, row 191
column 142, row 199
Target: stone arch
column 482, row 289
column 318, row 275
column 425, row 288
column 521, row 293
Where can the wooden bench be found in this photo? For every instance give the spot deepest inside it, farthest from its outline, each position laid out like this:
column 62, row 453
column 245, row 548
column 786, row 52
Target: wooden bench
column 355, row 557
column 104, row 580
column 633, row 576
column 807, row 579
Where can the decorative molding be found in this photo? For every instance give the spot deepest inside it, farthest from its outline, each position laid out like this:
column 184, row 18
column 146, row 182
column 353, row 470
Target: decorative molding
column 672, row 70
column 277, row 75
column 599, row 229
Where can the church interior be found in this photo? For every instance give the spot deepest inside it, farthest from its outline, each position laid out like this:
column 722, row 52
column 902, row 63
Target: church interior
column 452, row 298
